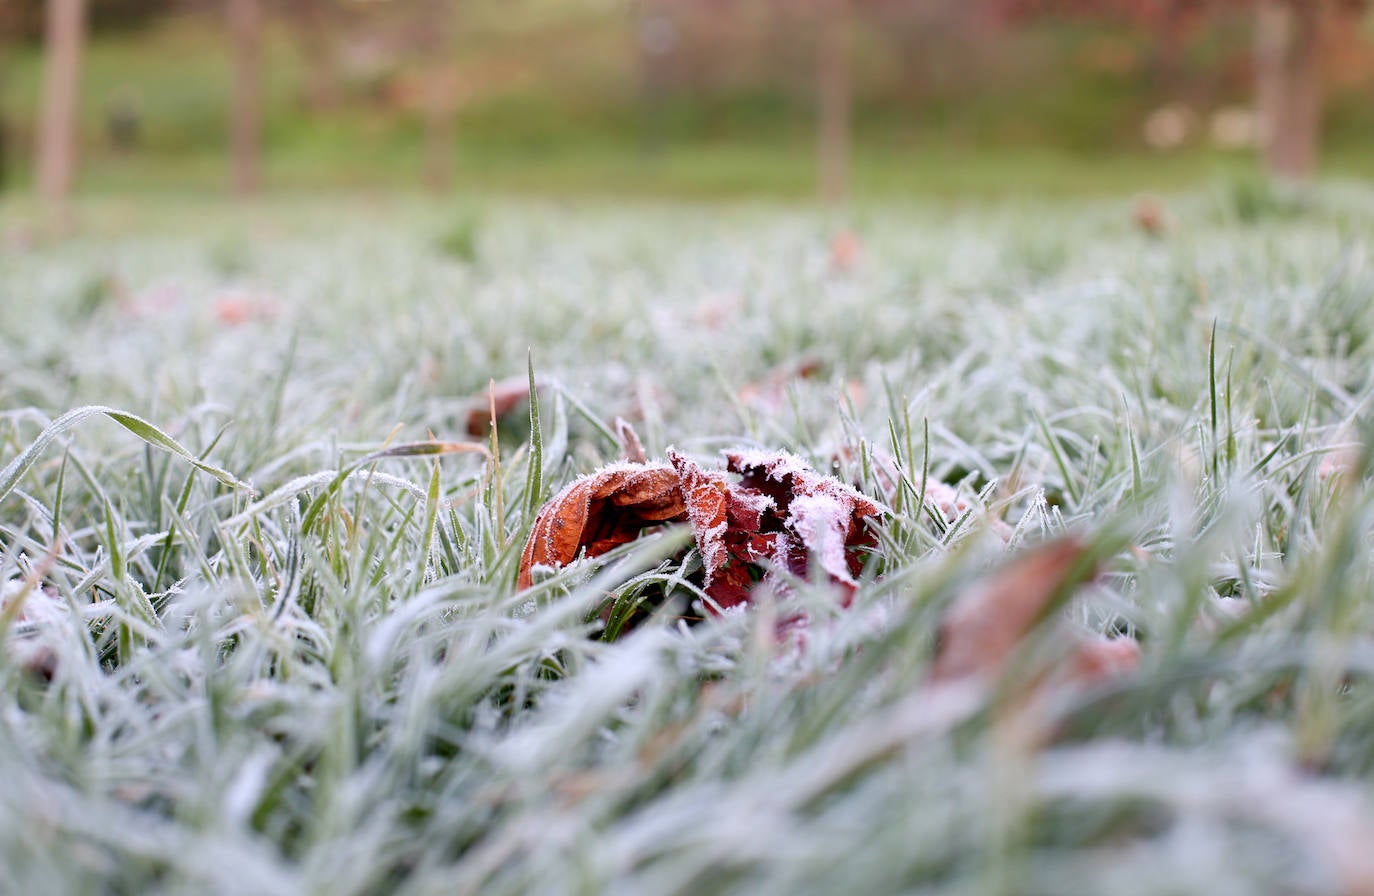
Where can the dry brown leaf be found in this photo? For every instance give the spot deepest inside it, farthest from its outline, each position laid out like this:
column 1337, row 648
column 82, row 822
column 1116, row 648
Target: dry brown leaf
column 1149, row 216
column 846, row 252
column 503, row 395
column 599, row 512
column 986, row 623
column 630, row 445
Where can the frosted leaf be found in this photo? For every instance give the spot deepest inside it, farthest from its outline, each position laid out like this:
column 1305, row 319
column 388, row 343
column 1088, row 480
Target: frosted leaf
column 706, row 496
column 823, row 522
column 600, row 511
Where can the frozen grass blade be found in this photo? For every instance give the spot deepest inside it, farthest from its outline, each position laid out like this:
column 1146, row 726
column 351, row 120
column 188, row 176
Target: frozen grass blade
column 534, row 489
column 15, row 469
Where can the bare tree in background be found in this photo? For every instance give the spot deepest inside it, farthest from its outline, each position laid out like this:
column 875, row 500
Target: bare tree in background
column 315, row 25
column 1289, row 43
column 833, row 124
column 655, row 34
column 1288, row 84
column 64, row 37
column 441, row 93
column 8, row 27
column 245, row 116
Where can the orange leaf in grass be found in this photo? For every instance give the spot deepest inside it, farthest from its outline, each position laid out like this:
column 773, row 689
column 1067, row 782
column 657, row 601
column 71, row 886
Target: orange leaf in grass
column 503, row 396
column 599, row 512
column 987, row 623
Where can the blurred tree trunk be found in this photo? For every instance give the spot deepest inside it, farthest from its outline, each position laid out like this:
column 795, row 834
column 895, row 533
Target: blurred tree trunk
column 8, row 38
column 441, row 97
column 314, row 24
column 655, row 37
column 4, row 120
column 245, row 117
column 64, row 35
column 1288, row 85
column 1171, row 33
column 833, row 100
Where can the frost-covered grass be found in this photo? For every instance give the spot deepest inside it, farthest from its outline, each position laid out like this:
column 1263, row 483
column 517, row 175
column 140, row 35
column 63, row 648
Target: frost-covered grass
column 329, row 684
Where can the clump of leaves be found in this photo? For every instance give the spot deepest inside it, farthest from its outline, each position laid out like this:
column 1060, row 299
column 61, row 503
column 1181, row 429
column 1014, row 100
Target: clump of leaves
column 764, row 516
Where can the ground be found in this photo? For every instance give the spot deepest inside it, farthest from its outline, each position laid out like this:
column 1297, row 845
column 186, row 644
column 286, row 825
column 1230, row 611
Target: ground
column 267, row 675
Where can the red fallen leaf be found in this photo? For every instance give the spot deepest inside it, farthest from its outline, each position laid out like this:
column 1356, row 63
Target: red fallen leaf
column 726, row 523
column 599, row 512
column 236, row 310
column 826, row 516
column 1149, row 216
column 782, row 513
column 845, row 251
column 503, row 395
column 233, row 312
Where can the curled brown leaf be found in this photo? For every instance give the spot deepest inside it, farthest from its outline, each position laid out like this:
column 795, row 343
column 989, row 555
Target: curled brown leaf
column 599, row 512
column 500, row 398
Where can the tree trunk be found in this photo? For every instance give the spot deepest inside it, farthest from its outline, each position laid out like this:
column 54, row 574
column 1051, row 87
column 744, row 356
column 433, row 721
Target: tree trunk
column 441, row 125
column 1171, row 34
column 655, row 37
column 245, row 121
column 8, row 38
column 833, row 101
column 1288, row 85
column 441, row 98
column 64, row 36
column 315, row 28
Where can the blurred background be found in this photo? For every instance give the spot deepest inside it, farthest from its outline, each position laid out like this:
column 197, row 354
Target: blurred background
column 682, row 98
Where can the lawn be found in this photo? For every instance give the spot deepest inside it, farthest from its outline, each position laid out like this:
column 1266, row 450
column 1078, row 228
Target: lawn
column 264, row 635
